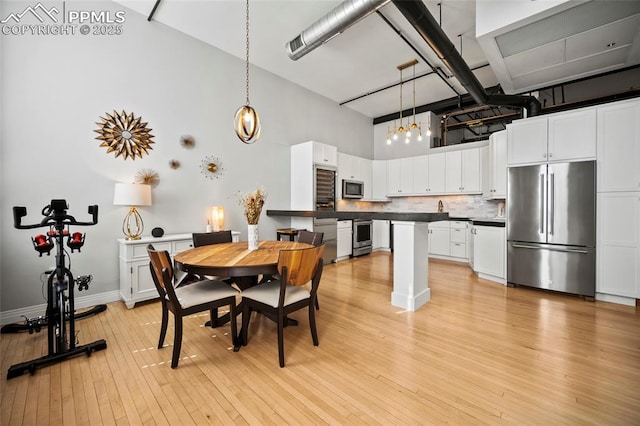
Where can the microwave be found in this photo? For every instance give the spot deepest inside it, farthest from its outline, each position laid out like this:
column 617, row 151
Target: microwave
column 352, row 189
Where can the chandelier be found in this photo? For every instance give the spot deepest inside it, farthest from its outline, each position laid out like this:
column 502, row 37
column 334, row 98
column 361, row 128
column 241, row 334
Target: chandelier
column 412, row 127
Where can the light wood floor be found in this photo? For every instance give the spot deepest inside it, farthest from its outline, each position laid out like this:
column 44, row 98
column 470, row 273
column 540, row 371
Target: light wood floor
column 478, row 353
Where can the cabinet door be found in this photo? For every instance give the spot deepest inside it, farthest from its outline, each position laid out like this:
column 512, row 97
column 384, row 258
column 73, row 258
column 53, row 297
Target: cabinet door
column 618, row 264
column 499, row 164
column 470, row 171
column 380, row 234
column 344, row 243
column 487, row 171
column 437, row 173
column 453, row 172
column 379, row 179
column 394, row 186
column 365, row 175
column 421, row 174
column 141, row 281
column 489, row 250
column 572, row 135
column 325, row 154
column 439, row 241
column 406, row 175
column 619, row 147
column 527, row 141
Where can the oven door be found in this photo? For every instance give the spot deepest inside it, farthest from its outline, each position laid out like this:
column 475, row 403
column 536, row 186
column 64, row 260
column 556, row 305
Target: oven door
column 362, row 235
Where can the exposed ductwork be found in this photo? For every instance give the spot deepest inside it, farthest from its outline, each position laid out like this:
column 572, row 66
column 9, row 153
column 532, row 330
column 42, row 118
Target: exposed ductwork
column 415, row 11
column 333, row 23
column 419, row 16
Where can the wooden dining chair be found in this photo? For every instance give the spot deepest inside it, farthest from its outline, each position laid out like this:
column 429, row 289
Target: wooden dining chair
column 288, row 294
column 314, row 238
column 199, row 296
column 208, row 238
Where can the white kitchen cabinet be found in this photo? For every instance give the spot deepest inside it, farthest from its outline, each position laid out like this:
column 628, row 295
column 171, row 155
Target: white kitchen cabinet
column 345, row 239
column 437, row 173
column 618, row 144
column 439, row 238
column 379, row 179
column 381, row 235
column 303, row 158
column 136, row 283
column 489, row 252
column 458, row 239
column 463, row 171
column 351, row 167
column 494, row 166
column 527, row 141
column 421, row 175
column 400, row 176
column 564, row 136
column 618, row 245
column 326, row 155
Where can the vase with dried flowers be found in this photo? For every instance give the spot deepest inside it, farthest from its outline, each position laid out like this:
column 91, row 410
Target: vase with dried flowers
column 253, row 203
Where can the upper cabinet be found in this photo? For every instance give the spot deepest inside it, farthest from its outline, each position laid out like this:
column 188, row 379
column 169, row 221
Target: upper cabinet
column 494, row 166
column 351, row 167
column 326, row 155
column 400, row 176
column 619, row 147
column 378, row 179
column 557, row 137
column 463, row 172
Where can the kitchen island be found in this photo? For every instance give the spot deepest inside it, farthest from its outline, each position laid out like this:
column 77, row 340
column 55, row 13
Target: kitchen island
column 411, row 251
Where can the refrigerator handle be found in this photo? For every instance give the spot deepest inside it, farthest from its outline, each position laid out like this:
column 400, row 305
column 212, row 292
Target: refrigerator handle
column 543, row 187
column 552, row 188
column 564, row 250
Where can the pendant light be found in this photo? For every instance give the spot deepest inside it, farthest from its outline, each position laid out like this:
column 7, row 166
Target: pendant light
column 412, row 128
column 247, row 121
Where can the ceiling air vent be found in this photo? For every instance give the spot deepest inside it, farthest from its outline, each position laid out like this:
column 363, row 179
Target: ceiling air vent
column 294, row 45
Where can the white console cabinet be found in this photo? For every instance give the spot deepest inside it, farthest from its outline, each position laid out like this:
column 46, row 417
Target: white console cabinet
column 136, row 283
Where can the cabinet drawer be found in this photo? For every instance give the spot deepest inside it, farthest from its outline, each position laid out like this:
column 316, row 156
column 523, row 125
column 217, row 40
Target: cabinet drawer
column 139, row 251
column 458, row 250
column 459, row 236
column 181, row 245
column 458, row 224
column 442, row 224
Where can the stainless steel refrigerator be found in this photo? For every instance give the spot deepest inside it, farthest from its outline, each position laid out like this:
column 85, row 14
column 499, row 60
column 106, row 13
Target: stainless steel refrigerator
column 551, row 227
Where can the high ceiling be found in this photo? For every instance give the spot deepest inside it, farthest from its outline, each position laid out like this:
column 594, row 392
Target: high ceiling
column 358, row 68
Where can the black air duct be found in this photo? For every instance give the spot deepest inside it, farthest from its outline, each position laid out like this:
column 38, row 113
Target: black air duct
column 419, row 16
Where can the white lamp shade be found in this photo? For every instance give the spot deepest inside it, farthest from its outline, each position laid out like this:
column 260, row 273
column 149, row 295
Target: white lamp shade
column 132, row 194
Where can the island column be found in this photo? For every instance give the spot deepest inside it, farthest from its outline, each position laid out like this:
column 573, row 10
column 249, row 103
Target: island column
column 410, row 265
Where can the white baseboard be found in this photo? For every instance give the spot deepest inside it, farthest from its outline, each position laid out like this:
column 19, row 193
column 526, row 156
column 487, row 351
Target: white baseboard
column 17, row 315
column 628, row 301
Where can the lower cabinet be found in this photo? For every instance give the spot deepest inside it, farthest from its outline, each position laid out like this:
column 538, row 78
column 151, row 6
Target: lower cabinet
column 381, row 236
column 448, row 239
column 489, row 252
column 345, row 239
column 136, row 283
column 618, row 245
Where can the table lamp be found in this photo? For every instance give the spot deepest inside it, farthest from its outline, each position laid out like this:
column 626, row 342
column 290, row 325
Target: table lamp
column 132, row 195
column 217, row 218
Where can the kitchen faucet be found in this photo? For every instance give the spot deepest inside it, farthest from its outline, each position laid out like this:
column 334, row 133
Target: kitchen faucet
column 440, row 207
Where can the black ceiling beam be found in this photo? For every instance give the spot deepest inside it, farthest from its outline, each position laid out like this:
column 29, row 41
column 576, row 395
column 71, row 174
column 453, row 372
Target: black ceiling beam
column 153, row 11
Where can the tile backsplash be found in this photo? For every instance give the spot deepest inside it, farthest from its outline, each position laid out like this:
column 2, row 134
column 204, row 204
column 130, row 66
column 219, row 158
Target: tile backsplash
column 455, row 205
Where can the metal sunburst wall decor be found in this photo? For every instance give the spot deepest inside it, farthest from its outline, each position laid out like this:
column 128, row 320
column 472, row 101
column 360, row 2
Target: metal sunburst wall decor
column 211, row 167
column 147, row 177
column 125, row 134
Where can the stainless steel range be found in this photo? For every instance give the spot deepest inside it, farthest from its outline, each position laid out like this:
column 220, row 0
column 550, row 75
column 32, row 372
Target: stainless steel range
column 362, row 234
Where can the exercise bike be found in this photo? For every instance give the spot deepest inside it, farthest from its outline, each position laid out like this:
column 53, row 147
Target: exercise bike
column 60, row 316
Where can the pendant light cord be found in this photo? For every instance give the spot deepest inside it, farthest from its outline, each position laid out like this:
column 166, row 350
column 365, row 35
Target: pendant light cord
column 247, row 61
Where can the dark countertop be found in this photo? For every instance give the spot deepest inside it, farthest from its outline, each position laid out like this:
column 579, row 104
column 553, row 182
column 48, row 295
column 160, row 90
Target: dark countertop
column 346, row 215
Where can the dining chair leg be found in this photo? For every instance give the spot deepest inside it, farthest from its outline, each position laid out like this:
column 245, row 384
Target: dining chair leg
column 312, row 325
column 234, row 327
column 246, row 316
column 163, row 326
column 177, row 341
column 317, row 304
column 281, row 339
column 213, row 314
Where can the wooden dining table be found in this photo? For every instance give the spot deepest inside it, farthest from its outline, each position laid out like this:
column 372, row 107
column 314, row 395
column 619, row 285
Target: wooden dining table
column 235, row 260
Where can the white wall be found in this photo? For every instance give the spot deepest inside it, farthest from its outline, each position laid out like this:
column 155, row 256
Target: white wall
column 55, row 88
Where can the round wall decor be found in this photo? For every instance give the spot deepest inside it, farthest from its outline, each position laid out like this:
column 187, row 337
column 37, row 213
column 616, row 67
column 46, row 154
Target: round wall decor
column 124, row 134
column 211, row 167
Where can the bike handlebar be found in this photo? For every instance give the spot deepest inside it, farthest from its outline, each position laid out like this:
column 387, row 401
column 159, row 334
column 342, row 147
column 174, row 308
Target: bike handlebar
column 53, row 216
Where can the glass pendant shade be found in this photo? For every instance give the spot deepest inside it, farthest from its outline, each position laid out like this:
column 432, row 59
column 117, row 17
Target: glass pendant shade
column 247, row 124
